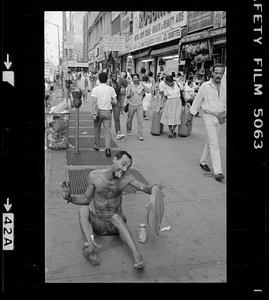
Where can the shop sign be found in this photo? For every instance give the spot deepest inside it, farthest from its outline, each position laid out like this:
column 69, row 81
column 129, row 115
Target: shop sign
column 126, row 30
column 219, row 19
column 114, row 42
column 219, row 31
column 154, row 27
column 69, row 40
column 198, row 20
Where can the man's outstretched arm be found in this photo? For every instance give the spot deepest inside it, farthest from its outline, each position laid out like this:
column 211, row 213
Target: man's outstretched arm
column 144, row 187
column 78, row 199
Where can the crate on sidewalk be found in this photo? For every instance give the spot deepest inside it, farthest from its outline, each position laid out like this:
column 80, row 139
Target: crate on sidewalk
column 57, row 130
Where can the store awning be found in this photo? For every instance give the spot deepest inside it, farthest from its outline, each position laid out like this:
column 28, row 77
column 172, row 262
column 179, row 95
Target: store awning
column 141, row 54
column 195, row 37
column 166, row 50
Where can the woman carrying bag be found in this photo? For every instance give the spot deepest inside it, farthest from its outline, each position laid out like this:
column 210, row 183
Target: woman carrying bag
column 172, row 106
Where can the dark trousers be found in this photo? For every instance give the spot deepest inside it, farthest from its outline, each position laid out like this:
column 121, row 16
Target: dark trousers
column 116, row 116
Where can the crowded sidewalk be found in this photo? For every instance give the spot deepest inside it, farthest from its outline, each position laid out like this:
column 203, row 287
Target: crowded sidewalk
column 193, row 250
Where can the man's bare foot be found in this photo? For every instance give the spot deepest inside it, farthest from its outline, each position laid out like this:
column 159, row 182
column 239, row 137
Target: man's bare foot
column 90, row 252
column 139, row 263
column 66, row 191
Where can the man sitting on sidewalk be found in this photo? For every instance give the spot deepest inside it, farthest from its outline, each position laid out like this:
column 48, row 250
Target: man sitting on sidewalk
column 101, row 211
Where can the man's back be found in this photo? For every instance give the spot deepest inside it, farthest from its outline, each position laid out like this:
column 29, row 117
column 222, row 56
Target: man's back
column 104, row 95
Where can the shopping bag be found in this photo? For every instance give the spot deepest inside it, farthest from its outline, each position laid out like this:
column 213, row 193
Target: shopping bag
column 156, row 126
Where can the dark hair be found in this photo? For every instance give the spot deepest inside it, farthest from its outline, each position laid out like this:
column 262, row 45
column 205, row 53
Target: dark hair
column 135, row 74
column 103, row 77
column 125, row 74
column 150, row 73
column 173, row 74
column 143, row 70
column 120, row 154
column 169, row 78
column 218, row 65
column 145, row 78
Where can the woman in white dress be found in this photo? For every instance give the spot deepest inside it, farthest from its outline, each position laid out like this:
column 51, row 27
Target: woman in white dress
column 148, row 96
column 171, row 115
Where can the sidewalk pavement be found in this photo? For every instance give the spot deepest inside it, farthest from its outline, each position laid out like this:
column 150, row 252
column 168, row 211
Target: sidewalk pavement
column 194, row 250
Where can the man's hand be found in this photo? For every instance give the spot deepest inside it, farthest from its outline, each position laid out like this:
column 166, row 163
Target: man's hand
column 160, row 186
column 66, row 191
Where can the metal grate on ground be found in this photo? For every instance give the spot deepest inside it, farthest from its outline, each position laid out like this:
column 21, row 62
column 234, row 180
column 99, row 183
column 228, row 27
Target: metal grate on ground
column 82, row 123
column 78, row 181
column 87, row 142
column 86, row 131
column 88, row 157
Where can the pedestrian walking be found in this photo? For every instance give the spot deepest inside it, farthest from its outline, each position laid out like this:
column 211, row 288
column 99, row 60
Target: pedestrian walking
column 147, row 96
column 211, row 98
column 112, row 81
column 122, row 84
column 161, row 89
column 172, row 106
column 101, row 206
column 102, row 98
column 134, row 94
column 152, row 80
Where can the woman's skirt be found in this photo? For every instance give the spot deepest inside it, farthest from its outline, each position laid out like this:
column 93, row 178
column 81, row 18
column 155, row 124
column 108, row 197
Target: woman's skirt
column 172, row 112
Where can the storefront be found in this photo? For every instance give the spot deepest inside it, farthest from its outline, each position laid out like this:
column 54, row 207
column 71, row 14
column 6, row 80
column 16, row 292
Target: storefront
column 77, row 66
column 141, row 59
column 166, row 59
column 200, row 49
column 155, row 40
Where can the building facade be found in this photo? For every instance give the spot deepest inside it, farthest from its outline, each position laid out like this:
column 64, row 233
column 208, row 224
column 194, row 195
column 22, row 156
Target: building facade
column 160, row 41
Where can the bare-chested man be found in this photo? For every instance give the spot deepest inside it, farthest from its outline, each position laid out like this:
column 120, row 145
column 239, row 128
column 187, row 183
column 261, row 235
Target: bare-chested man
column 101, row 211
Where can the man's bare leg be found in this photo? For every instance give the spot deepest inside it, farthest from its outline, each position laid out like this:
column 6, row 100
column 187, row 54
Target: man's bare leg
column 126, row 236
column 89, row 249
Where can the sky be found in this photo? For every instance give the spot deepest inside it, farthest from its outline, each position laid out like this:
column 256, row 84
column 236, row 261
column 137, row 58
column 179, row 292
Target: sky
column 51, row 35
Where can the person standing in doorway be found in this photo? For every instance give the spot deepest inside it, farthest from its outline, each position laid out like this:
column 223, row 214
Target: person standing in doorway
column 134, row 94
column 212, row 98
column 102, row 98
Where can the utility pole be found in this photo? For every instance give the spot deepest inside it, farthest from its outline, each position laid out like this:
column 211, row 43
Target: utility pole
column 64, row 37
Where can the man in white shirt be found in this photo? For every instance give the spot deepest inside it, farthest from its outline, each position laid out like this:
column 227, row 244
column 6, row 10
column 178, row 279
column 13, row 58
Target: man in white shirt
column 102, row 98
column 211, row 97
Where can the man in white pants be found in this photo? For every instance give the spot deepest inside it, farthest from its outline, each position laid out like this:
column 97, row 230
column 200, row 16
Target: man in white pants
column 211, row 98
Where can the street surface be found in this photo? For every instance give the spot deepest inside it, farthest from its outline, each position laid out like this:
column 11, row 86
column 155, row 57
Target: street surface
column 194, row 250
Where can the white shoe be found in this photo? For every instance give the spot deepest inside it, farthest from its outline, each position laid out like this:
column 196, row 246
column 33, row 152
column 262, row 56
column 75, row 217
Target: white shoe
column 141, row 138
